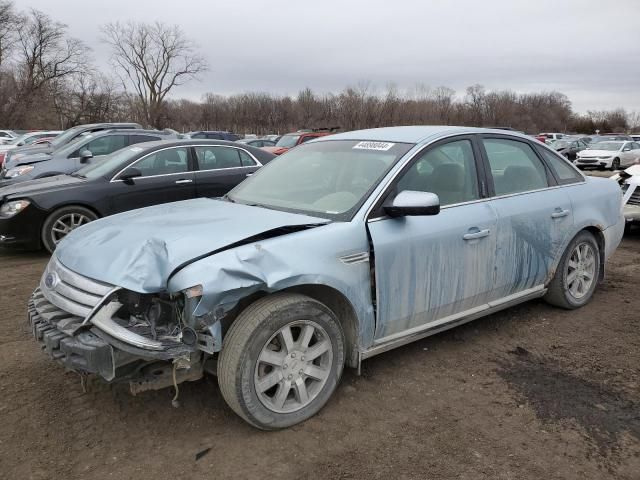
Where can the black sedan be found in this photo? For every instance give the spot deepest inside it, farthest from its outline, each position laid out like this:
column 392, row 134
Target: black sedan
column 42, row 212
column 569, row 147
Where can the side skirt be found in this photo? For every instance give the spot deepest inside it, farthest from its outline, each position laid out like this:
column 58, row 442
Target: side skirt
column 437, row 326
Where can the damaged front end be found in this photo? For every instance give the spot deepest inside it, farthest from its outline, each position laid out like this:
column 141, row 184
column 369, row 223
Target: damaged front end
column 151, row 341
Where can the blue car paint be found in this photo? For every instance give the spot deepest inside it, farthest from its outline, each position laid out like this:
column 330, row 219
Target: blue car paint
column 156, row 240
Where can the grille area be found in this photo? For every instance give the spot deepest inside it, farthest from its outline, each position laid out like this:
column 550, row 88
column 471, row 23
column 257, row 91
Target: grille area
column 634, row 199
column 69, row 291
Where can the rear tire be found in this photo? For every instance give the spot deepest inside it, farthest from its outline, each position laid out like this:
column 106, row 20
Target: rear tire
column 61, row 222
column 577, row 274
column 262, row 370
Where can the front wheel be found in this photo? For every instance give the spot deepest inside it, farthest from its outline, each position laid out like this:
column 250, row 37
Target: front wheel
column 615, row 165
column 577, row 274
column 61, row 222
column 281, row 360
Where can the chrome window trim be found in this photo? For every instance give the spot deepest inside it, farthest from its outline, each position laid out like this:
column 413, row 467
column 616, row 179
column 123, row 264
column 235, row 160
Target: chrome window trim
column 113, row 179
column 257, row 164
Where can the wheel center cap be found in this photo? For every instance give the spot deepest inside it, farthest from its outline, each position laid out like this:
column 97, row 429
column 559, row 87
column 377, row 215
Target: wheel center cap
column 293, row 364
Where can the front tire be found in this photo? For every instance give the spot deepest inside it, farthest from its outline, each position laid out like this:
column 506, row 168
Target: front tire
column 577, row 274
column 281, row 360
column 61, row 222
column 615, row 165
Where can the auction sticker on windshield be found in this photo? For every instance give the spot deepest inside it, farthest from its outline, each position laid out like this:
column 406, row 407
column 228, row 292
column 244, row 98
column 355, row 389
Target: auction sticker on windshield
column 383, row 146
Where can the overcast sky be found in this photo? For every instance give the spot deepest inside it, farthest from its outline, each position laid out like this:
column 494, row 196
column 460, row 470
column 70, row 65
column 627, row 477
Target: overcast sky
column 587, row 49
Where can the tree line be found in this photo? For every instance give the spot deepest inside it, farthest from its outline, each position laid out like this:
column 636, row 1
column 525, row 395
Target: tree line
column 48, row 80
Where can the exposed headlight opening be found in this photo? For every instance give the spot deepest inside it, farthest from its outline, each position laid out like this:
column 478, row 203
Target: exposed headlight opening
column 17, row 171
column 9, row 209
column 193, row 292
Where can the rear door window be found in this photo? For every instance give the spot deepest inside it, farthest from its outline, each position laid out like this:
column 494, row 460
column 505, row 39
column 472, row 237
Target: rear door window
column 515, row 167
column 216, row 157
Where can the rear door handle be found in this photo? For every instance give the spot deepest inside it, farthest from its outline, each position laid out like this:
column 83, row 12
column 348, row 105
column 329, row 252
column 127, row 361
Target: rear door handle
column 184, row 180
column 475, row 235
column 559, row 213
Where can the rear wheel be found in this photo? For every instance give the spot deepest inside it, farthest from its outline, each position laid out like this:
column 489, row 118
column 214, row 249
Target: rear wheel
column 281, row 360
column 61, row 222
column 577, row 274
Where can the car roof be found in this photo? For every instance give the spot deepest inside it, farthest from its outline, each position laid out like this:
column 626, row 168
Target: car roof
column 131, row 131
column 413, row 134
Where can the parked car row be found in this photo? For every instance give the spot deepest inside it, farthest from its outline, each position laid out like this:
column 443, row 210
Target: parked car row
column 342, row 248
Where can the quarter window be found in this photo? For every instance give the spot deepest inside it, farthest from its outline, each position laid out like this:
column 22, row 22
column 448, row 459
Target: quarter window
column 515, row 168
column 164, row 162
column 447, row 170
column 564, row 172
column 216, row 158
column 247, row 160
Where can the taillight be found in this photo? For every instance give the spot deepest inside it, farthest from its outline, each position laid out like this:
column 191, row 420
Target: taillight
column 1, row 159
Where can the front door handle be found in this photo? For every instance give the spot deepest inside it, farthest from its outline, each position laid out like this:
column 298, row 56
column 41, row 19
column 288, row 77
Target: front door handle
column 559, row 213
column 184, row 180
column 478, row 234
column 248, row 174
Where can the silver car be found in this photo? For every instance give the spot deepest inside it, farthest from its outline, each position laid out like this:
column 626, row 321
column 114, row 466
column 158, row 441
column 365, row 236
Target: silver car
column 341, row 249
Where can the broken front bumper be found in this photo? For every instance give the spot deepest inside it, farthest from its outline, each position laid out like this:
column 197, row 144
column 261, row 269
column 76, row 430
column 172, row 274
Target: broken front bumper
column 85, row 348
column 631, row 213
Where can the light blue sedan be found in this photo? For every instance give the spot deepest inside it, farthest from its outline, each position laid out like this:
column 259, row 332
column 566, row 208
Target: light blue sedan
column 341, row 249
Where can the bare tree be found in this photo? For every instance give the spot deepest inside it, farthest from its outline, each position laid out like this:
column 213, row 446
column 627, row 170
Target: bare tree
column 152, row 59
column 8, row 29
column 44, row 56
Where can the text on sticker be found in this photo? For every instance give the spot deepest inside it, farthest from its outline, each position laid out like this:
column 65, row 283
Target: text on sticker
column 384, row 146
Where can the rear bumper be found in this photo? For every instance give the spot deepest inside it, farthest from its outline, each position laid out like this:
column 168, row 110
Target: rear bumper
column 612, row 237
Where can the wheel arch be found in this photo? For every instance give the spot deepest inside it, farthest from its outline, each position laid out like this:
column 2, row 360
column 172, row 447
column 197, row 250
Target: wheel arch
column 600, row 240
column 596, row 231
column 60, row 206
column 332, row 298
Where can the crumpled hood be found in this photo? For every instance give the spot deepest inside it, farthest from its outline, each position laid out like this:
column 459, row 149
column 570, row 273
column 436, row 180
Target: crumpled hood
column 139, row 250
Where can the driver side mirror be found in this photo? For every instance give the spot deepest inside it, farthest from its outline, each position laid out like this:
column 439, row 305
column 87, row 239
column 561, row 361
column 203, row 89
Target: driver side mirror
column 412, row 203
column 85, row 155
column 626, row 149
column 129, row 174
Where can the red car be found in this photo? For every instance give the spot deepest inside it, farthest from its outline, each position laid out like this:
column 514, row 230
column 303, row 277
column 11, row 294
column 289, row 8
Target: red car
column 291, row 140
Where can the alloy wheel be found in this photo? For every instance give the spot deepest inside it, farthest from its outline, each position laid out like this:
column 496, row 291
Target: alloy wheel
column 65, row 224
column 293, row 366
column 581, row 270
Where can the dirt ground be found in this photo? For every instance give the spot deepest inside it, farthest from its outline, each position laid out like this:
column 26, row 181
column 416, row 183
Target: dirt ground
column 533, row 392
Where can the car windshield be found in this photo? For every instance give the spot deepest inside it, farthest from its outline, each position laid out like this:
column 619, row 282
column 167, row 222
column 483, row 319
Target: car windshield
column 66, row 136
column 19, row 139
column 329, row 179
column 611, row 146
column 288, row 141
column 109, row 163
column 560, row 144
